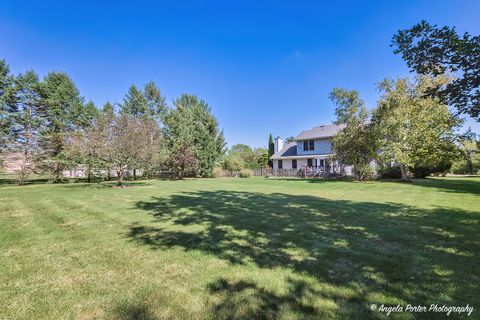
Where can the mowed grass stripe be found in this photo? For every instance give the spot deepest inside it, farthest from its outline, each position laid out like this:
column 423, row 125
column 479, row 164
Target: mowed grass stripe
column 236, row 248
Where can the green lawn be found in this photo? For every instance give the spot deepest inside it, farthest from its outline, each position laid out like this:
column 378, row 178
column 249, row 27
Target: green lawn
column 237, row 248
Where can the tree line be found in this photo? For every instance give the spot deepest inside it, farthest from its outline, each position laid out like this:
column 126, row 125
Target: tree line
column 51, row 126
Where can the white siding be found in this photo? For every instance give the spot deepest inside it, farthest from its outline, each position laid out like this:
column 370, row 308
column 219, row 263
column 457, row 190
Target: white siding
column 286, row 164
column 323, row 146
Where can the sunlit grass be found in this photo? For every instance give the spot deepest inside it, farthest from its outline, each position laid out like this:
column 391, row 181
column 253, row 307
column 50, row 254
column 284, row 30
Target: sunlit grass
column 236, row 248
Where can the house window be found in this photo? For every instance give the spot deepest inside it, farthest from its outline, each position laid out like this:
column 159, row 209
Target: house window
column 294, row 164
column 308, row 145
column 280, row 164
column 309, row 163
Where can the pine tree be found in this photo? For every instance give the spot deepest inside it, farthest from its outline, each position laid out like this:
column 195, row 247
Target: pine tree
column 271, row 150
column 155, row 101
column 190, row 127
column 135, row 104
column 6, row 90
column 26, row 120
column 64, row 112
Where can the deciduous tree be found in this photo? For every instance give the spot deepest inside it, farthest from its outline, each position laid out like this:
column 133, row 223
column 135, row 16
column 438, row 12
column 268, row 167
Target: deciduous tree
column 415, row 130
column 355, row 144
column 432, row 50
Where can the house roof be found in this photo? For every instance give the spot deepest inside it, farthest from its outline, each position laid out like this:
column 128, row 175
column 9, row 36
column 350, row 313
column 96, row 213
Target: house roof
column 324, row 131
column 288, row 150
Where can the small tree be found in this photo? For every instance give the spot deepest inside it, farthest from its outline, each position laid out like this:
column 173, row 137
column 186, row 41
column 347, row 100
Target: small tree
column 233, row 162
column 120, row 142
column 183, row 162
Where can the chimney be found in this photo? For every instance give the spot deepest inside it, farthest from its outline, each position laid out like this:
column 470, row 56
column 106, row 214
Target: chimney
column 278, row 144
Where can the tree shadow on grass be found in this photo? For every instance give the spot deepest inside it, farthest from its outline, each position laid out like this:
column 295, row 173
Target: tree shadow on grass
column 11, row 180
column 244, row 299
column 134, row 311
column 385, row 253
column 451, row 185
column 458, row 185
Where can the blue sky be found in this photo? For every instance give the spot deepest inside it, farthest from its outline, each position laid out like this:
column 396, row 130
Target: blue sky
column 263, row 66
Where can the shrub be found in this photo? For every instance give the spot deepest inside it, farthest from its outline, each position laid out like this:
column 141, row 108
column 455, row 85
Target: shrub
column 389, row 172
column 423, row 171
column 363, row 172
column 217, row 172
column 245, row 173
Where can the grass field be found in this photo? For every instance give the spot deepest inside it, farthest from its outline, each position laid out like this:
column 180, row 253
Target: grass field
column 237, row 248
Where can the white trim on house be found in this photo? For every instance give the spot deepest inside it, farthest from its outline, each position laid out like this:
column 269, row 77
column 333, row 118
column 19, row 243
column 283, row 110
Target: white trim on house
column 299, row 152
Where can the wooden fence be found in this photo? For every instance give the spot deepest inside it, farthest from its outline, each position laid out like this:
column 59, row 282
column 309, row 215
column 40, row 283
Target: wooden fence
column 276, row 172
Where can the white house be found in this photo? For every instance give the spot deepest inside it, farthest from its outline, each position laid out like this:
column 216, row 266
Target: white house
column 310, row 150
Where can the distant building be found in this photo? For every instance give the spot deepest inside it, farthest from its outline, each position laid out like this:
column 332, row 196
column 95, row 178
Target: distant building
column 310, row 150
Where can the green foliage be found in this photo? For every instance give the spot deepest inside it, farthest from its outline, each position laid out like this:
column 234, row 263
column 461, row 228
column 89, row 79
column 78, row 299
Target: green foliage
column 6, row 89
column 55, row 130
column 245, row 173
column 389, row 171
column 155, row 101
column 233, row 162
column 26, row 121
column 135, row 104
column 469, row 160
column 190, row 126
column 144, row 104
column 414, row 130
column 271, row 150
column 355, row 144
column 63, row 112
column 432, row 50
column 242, row 156
column 349, row 107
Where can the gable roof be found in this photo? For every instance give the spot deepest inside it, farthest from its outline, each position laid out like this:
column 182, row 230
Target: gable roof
column 288, row 150
column 324, row 131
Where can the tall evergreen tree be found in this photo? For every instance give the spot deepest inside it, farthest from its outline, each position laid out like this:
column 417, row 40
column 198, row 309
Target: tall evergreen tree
column 155, row 101
column 271, row 150
column 6, row 89
column 90, row 113
column 135, row 104
column 191, row 128
column 26, row 120
column 108, row 109
column 64, row 112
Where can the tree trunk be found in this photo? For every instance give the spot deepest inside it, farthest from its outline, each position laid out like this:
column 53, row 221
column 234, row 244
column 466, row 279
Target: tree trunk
column 108, row 174
column 89, row 176
column 404, row 171
column 120, row 178
column 134, row 174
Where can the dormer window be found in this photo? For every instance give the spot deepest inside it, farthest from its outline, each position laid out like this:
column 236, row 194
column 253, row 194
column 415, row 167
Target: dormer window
column 308, row 145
